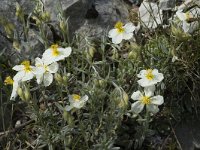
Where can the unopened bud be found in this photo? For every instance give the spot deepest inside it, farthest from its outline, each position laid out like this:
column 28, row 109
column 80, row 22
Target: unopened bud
column 20, row 93
column 68, row 140
column 46, row 16
column 19, row 12
column 27, row 94
column 16, row 45
column 62, row 26
column 68, row 117
column 115, row 54
column 58, row 78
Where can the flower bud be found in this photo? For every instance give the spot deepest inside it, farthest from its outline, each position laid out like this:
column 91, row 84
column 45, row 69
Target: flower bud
column 68, row 117
column 91, row 51
column 62, row 26
column 115, row 54
column 120, row 98
column 45, row 16
column 68, row 140
column 20, row 93
column 16, row 45
column 19, row 12
column 58, row 78
column 27, row 94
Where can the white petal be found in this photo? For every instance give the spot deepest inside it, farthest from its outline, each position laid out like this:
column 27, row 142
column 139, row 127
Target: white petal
column 159, row 77
column 149, row 90
column 152, row 108
column 53, row 68
column 39, row 70
column 68, row 107
column 137, row 107
column 48, row 79
column 19, row 76
column 127, row 36
column 117, row 39
column 18, row 67
column 71, row 100
column 14, row 90
column 145, row 82
column 28, row 76
column 39, row 78
column 112, row 33
column 38, row 61
column 136, row 95
column 157, row 100
column 84, row 98
column 78, row 104
column 66, row 51
column 141, row 74
column 129, row 27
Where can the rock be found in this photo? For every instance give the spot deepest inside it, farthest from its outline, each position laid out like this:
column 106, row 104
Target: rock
column 150, row 15
column 109, row 12
column 188, row 133
column 167, row 4
column 87, row 17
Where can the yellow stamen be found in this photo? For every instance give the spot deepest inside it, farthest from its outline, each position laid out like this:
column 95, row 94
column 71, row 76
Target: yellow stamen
column 149, row 75
column 119, row 27
column 27, row 67
column 146, row 100
column 55, row 51
column 45, row 68
column 8, row 81
column 76, row 97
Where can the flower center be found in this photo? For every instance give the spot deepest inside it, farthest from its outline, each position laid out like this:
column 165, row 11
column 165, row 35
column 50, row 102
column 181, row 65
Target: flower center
column 119, row 27
column 27, row 67
column 45, row 68
column 149, row 75
column 146, row 100
column 55, row 51
column 8, row 81
column 76, row 97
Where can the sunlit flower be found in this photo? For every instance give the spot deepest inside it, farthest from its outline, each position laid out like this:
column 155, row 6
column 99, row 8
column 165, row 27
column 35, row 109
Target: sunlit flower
column 146, row 99
column 15, row 84
column 150, row 15
column 56, row 53
column 149, row 77
column 189, row 22
column 121, row 32
column 44, row 72
column 25, row 71
column 76, row 101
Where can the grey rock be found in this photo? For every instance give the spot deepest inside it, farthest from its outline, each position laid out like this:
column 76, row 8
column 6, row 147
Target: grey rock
column 188, row 133
column 167, row 4
column 109, row 13
column 80, row 19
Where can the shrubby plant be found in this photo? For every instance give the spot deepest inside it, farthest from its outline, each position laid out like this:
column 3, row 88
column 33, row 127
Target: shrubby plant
column 122, row 91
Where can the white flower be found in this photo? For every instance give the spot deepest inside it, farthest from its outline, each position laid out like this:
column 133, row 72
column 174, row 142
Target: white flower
column 150, row 15
column 55, row 53
column 121, row 32
column 149, row 77
column 147, row 99
column 76, row 101
column 15, row 84
column 25, row 71
column 44, row 72
column 188, row 25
